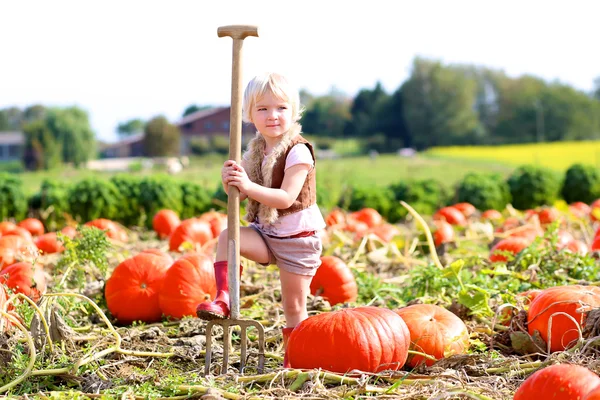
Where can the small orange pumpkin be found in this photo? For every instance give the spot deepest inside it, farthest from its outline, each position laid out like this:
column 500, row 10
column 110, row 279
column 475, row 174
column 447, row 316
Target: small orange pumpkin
column 513, row 245
column 48, row 243
column 558, row 382
column 33, row 225
column 192, row 231
column 451, row 215
column 22, row 277
column 334, row 281
column 434, row 331
column 164, row 223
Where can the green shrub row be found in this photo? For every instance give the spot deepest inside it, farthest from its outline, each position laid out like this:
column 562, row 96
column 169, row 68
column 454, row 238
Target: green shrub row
column 133, row 201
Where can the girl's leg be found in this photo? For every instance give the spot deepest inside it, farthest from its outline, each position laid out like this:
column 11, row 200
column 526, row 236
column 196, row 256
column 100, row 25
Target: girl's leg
column 252, row 247
column 294, row 292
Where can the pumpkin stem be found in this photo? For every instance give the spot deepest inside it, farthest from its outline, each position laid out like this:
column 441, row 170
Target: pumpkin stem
column 415, row 214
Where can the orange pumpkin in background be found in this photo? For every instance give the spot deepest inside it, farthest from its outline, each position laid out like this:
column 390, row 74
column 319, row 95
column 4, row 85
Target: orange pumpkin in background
column 189, row 282
column 467, row 209
column 6, row 226
column 48, row 243
column 192, row 231
column 444, row 232
column 334, row 281
column 113, row 230
column 18, row 231
column 13, row 247
column 216, row 220
column 451, row 215
column 164, row 223
column 434, row 331
column 33, row 225
column 23, row 277
column 369, row 216
column 335, row 218
column 132, row 291
column 386, row 232
column 491, row 215
column 512, row 245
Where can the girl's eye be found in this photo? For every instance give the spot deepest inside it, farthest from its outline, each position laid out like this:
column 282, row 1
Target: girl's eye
column 282, row 107
column 261, row 109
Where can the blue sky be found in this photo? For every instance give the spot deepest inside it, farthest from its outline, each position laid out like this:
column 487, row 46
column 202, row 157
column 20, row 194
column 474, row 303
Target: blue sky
column 137, row 59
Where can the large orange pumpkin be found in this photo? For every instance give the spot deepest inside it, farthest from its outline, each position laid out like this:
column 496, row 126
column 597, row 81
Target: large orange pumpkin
column 189, row 282
column 24, row 278
column 434, row 331
column 369, row 339
column 593, row 395
column 164, row 223
column 558, row 382
column 33, row 225
column 132, row 290
column 18, row 231
column 334, row 281
column 192, row 231
column 573, row 300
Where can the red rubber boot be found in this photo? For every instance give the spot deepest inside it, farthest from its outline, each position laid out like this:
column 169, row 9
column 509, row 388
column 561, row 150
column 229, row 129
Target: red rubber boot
column 219, row 307
column 286, row 335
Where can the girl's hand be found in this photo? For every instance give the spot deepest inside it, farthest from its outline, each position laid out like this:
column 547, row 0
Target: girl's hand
column 228, row 168
column 238, row 177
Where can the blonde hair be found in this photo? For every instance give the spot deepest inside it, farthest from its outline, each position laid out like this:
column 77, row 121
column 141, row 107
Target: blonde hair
column 276, row 84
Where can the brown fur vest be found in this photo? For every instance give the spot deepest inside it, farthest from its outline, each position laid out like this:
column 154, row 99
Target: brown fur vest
column 271, row 175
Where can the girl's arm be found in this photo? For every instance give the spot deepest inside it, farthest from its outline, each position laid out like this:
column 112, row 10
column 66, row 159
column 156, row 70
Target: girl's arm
column 282, row 198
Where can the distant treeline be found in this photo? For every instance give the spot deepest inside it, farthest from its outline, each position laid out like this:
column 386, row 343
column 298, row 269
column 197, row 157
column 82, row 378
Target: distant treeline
column 438, row 105
column 441, row 105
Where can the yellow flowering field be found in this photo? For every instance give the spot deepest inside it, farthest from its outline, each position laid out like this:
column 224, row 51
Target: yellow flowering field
column 558, row 155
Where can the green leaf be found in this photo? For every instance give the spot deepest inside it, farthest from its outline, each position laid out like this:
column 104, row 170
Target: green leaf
column 476, row 299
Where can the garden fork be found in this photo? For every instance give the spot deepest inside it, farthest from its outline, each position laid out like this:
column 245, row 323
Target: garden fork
column 238, row 33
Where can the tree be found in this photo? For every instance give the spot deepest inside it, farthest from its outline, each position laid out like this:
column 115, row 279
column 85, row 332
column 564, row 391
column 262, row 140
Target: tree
column 71, row 128
column 363, row 110
column 41, row 150
column 389, row 120
column 34, row 113
column 438, row 103
column 327, row 115
column 130, row 127
column 161, row 138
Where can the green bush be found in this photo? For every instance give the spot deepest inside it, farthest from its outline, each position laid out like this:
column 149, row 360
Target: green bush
column 51, row 205
column 13, row 203
column 220, row 144
column 366, row 197
column 533, row 186
column 158, row 192
column 195, row 200
column 424, row 195
column 484, row 191
column 130, row 211
column 93, row 198
column 581, row 183
column 200, row 146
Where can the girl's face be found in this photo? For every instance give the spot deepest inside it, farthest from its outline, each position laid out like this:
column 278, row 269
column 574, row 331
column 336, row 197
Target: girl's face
column 271, row 116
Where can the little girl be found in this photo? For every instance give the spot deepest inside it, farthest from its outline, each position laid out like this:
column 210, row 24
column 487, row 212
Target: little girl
column 278, row 177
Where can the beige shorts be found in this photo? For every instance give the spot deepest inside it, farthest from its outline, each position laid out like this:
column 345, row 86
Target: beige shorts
column 301, row 256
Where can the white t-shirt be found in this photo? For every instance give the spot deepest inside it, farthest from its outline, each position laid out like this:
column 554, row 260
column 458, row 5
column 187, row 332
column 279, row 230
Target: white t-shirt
column 309, row 219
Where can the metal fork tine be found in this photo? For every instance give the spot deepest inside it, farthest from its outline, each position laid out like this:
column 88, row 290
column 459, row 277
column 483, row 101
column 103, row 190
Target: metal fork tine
column 226, row 345
column 208, row 356
column 243, row 337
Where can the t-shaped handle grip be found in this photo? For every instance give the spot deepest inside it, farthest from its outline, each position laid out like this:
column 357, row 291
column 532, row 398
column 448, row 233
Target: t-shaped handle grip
column 238, row 33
